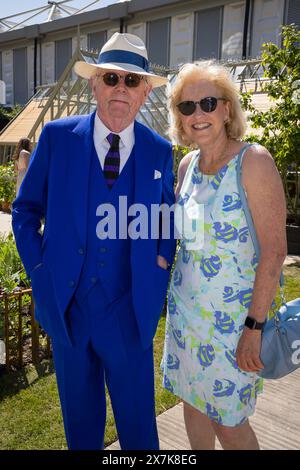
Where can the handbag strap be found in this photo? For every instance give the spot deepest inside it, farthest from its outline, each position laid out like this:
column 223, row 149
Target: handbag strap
column 246, row 209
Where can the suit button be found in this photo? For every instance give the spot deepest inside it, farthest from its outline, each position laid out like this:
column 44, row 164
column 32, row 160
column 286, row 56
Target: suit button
column 101, row 264
column 71, row 283
column 103, row 249
column 93, row 280
column 81, row 251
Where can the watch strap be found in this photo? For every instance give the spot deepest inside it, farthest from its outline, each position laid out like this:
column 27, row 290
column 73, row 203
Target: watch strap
column 253, row 324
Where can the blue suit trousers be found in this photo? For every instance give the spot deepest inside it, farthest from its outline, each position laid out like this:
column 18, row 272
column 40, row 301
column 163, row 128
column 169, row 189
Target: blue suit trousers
column 107, row 350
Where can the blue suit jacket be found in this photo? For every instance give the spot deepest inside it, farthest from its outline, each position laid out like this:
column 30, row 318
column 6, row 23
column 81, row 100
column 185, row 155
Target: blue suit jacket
column 56, row 188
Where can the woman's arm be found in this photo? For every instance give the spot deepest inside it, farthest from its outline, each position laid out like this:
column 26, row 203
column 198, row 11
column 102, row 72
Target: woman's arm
column 266, row 201
column 24, row 158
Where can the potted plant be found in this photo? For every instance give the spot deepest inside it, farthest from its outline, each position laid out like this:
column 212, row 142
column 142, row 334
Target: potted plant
column 280, row 124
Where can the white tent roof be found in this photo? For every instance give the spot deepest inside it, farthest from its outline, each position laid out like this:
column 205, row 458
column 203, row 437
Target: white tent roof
column 50, row 11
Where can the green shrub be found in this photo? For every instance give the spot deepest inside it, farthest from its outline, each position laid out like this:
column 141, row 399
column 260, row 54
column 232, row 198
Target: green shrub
column 7, row 183
column 7, row 114
column 12, row 278
column 12, row 273
column 280, row 124
column 178, row 153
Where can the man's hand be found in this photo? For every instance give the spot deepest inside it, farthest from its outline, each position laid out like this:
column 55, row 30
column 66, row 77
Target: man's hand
column 248, row 351
column 162, row 262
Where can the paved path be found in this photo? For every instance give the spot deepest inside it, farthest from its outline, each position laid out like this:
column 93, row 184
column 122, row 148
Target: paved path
column 276, row 421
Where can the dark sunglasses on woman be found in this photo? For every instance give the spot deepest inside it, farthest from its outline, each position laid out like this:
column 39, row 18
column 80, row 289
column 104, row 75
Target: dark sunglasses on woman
column 208, row 105
column 131, row 80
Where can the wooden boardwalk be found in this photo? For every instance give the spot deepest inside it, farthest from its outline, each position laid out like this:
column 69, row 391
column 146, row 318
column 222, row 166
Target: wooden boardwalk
column 276, row 421
column 24, row 122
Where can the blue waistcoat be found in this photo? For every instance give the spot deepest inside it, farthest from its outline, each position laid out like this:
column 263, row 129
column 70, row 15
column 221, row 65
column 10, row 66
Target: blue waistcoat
column 107, row 260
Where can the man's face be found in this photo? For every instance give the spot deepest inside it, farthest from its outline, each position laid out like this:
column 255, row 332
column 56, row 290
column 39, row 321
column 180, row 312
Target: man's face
column 118, row 105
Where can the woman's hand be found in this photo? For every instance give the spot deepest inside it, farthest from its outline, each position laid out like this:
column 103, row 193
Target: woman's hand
column 248, row 351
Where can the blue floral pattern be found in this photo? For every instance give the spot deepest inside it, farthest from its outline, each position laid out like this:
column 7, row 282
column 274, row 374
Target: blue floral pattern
column 210, row 294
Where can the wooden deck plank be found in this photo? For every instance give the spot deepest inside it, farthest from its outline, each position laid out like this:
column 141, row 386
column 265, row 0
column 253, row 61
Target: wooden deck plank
column 22, row 125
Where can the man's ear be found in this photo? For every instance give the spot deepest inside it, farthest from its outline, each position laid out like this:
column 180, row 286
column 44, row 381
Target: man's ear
column 148, row 89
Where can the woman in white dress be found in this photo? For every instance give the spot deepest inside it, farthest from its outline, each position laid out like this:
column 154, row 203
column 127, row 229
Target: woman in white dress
column 220, row 292
column 22, row 158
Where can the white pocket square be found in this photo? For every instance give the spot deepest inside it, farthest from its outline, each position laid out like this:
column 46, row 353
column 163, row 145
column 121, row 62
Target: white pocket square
column 157, row 174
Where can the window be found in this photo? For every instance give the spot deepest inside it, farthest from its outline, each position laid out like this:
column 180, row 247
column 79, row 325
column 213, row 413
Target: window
column 266, row 23
column 96, row 41
column 208, row 24
column 158, row 40
column 293, row 12
column 63, row 54
column 233, row 30
column 20, row 75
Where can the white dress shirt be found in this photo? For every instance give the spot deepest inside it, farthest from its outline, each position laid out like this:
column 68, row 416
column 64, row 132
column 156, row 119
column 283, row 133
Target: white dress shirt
column 102, row 145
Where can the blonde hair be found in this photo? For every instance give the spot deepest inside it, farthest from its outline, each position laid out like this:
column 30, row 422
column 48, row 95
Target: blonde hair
column 219, row 76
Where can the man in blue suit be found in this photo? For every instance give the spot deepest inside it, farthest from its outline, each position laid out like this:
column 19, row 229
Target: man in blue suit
column 97, row 295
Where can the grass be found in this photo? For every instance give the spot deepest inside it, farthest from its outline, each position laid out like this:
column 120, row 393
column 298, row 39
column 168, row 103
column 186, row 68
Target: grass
column 30, row 414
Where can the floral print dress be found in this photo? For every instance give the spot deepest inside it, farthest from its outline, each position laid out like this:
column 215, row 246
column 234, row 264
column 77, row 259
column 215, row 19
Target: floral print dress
column 209, row 297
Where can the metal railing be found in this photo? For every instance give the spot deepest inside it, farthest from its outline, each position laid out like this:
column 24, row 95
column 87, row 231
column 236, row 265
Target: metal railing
column 74, row 96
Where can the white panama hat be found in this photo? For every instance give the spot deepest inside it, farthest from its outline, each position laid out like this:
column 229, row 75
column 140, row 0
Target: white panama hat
column 124, row 52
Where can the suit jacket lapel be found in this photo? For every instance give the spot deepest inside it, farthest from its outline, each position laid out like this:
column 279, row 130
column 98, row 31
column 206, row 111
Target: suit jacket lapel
column 81, row 147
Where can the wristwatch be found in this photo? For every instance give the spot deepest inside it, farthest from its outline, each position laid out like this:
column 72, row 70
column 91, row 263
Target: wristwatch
column 253, row 324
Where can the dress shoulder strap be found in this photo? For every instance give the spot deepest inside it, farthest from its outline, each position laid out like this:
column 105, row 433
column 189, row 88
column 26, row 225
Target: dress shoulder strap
column 244, row 201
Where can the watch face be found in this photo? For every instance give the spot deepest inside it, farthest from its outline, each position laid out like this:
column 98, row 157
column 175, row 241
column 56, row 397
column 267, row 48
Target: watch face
column 250, row 322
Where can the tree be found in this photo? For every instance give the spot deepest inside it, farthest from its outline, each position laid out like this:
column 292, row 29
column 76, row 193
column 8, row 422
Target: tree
column 280, row 124
column 7, row 114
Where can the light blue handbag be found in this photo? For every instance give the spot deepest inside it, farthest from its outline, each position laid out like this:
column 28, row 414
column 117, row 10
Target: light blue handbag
column 280, row 350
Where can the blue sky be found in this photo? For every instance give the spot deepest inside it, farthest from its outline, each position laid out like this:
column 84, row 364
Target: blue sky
column 12, row 7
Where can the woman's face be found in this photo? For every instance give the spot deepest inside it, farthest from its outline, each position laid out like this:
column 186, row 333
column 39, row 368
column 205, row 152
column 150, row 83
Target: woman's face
column 204, row 128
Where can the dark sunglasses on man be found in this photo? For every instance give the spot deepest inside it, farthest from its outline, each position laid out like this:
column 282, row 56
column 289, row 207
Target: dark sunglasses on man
column 131, row 80
column 208, row 105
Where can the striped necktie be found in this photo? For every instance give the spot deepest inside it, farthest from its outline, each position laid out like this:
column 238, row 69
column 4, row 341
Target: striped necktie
column 112, row 160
